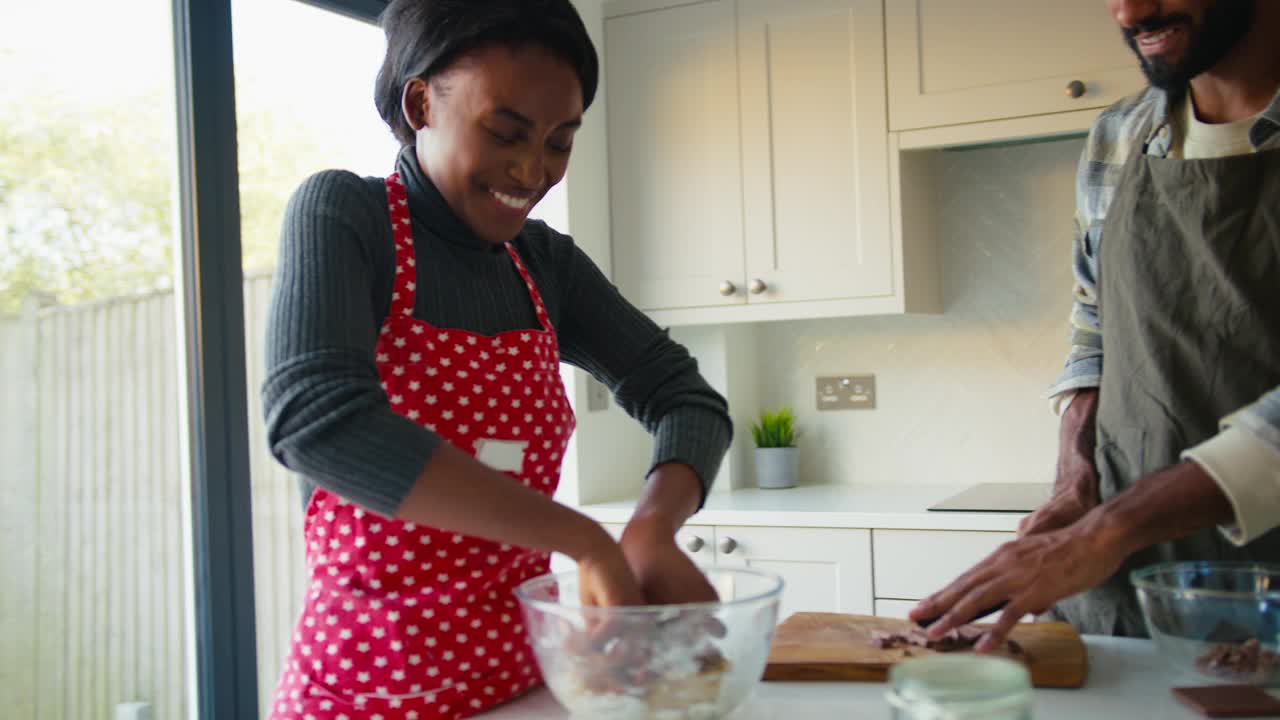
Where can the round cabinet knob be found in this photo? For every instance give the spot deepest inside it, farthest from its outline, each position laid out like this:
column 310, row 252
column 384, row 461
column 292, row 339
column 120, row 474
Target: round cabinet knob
column 727, row 288
column 1076, row 89
column 758, row 286
column 728, row 545
column 694, row 544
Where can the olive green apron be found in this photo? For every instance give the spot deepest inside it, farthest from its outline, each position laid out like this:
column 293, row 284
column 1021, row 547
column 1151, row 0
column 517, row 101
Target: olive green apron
column 1189, row 301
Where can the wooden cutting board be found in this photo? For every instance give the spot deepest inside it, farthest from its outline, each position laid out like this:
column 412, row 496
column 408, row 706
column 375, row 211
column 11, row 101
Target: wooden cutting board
column 829, row 646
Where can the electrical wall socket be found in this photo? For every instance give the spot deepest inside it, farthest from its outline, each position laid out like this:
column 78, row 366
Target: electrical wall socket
column 846, row 392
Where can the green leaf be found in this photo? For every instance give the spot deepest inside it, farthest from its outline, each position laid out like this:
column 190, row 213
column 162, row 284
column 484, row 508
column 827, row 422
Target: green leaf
column 775, row 429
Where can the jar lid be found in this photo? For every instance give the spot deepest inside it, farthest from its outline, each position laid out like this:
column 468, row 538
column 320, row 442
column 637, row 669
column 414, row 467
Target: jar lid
column 959, row 686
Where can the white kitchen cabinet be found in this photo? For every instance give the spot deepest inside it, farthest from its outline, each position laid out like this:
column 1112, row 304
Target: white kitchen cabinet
column 983, row 60
column 749, row 161
column 912, row 564
column 675, row 177
column 825, row 570
column 815, row 162
column 896, row 609
column 697, row 541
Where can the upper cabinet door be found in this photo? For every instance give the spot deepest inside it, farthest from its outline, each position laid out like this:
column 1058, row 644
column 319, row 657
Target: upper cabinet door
column 815, row 150
column 959, row 62
column 675, row 177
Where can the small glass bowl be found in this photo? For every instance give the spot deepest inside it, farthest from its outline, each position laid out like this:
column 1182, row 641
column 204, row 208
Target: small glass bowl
column 1217, row 621
column 959, row 687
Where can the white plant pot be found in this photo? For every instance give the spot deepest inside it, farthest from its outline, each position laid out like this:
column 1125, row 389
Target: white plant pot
column 777, row 468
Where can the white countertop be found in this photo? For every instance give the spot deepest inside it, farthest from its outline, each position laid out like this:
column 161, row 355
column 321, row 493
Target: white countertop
column 1127, row 679
column 885, row 507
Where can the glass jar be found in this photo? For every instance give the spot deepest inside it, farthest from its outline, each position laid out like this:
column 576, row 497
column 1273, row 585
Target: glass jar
column 959, row 687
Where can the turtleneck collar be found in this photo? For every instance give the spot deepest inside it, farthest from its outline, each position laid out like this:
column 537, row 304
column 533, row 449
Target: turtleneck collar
column 429, row 209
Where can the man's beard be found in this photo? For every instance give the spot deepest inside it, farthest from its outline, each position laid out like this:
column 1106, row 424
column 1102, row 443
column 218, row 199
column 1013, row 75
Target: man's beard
column 1225, row 23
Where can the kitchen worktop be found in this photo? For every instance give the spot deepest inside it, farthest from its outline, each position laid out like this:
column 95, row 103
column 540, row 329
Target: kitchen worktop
column 1127, row 679
column 884, row 507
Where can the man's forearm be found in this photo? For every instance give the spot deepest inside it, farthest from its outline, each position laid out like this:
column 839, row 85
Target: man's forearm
column 1163, row 506
column 1077, row 439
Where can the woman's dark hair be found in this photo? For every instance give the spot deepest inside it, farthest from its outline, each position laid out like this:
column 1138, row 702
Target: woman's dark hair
column 424, row 37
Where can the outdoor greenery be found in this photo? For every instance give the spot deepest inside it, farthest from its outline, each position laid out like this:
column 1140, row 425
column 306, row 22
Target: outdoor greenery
column 775, row 429
column 88, row 195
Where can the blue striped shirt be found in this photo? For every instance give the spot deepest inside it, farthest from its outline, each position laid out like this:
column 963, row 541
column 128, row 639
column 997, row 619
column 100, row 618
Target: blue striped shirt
column 1144, row 118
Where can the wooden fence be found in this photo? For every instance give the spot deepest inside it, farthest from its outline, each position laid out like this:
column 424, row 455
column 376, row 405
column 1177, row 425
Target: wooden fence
column 94, row 531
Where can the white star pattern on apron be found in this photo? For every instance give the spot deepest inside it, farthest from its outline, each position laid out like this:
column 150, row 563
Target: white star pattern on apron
column 405, row 622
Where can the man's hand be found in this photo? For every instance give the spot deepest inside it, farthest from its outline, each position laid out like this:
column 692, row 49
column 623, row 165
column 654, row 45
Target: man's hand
column 1034, row 572
column 1075, row 489
column 1063, row 509
column 1030, row 575
column 666, row 575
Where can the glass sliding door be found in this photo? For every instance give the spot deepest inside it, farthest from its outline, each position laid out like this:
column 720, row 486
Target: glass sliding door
column 95, row 520
column 304, row 99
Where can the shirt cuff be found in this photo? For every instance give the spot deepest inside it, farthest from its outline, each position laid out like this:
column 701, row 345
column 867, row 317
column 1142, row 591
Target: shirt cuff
column 1248, row 471
column 1079, row 374
column 695, row 437
column 1059, row 403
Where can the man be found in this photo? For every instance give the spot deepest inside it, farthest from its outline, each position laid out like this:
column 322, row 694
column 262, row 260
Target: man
column 1177, row 261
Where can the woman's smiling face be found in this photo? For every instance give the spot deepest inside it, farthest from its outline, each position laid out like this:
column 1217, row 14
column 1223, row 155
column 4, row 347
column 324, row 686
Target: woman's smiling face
column 494, row 133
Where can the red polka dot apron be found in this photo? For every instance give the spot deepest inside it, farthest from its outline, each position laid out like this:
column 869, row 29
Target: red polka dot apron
column 405, row 622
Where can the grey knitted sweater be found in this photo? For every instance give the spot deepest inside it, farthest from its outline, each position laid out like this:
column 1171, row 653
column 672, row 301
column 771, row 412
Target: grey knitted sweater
column 328, row 418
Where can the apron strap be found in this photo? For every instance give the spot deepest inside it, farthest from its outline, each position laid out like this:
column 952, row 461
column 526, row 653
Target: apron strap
column 539, row 308
column 404, row 290
column 404, row 285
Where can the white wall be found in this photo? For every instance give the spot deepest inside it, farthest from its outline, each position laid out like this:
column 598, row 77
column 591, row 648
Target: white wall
column 609, row 452
column 959, row 394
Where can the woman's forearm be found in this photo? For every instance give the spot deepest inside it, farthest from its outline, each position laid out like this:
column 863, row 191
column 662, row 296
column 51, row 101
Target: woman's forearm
column 458, row 493
column 671, row 495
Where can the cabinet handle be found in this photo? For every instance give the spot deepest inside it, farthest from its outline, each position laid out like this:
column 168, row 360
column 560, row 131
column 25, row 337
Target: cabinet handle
column 1076, row 89
column 728, row 545
column 694, row 544
column 758, row 286
column 727, row 288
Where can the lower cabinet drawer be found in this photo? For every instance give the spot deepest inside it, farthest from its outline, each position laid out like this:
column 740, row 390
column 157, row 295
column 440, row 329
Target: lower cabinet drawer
column 894, row 608
column 913, row 564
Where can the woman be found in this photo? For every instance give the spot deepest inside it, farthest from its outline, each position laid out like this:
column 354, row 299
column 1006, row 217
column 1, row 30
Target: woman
column 413, row 380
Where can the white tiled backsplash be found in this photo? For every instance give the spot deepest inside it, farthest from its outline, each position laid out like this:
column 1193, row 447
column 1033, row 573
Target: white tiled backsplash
column 959, row 395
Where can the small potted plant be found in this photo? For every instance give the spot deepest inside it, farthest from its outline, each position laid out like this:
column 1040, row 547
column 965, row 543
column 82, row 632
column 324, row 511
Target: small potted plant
column 777, row 457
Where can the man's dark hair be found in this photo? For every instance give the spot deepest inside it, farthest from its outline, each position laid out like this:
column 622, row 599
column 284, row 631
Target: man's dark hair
column 424, row 37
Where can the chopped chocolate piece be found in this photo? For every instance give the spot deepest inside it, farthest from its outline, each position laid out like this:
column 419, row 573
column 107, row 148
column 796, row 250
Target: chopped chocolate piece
column 962, row 638
column 1245, row 660
column 710, row 660
column 1229, row 701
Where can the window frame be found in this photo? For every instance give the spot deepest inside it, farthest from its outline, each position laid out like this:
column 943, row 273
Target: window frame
column 223, row 657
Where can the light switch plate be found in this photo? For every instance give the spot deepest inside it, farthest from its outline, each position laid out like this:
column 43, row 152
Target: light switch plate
column 597, row 395
column 846, row 392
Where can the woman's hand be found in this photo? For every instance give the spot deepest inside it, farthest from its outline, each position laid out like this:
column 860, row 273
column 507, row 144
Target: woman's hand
column 605, row 578
column 666, row 575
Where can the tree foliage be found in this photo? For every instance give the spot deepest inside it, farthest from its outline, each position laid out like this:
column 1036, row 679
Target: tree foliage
column 88, row 195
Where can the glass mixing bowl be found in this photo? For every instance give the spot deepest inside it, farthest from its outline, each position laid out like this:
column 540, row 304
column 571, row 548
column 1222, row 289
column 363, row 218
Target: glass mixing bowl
column 695, row 661
column 1214, row 620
